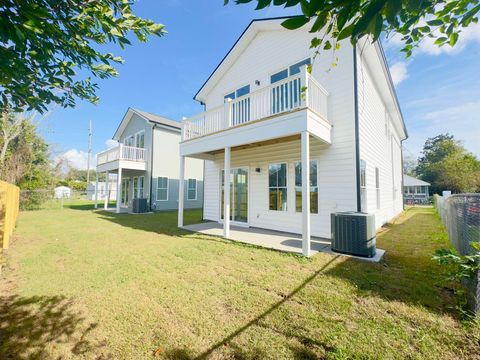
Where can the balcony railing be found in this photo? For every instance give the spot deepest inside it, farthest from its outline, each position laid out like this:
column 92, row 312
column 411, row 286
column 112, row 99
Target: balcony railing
column 284, row 96
column 121, row 152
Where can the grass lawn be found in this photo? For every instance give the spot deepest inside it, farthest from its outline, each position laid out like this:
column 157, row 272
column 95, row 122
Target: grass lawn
column 96, row 285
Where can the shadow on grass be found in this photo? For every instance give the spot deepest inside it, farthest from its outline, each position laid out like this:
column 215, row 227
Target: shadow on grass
column 27, row 325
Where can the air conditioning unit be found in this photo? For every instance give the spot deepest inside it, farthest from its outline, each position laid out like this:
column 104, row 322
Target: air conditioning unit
column 140, row 205
column 354, row 233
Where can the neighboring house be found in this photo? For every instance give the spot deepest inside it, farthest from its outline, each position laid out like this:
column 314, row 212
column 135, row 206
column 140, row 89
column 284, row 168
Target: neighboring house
column 259, row 126
column 101, row 188
column 62, row 192
column 415, row 191
column 146, row 163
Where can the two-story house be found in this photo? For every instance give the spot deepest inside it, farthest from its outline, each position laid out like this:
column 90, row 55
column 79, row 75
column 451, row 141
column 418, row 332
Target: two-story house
column 146, row 164
column 285, row 148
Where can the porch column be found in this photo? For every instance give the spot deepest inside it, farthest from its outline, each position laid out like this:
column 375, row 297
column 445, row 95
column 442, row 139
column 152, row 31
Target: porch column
column 96, row 190
column 306, row 193
column 226, row 192
column 107, row 194
column 181, row 190
column 119, row 189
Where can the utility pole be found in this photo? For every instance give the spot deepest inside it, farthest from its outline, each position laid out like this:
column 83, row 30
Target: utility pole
column 89, row 150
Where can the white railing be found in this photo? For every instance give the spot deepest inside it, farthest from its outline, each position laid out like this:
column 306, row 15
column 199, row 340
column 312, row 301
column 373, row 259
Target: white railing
column 283, row 96
column 121, row 152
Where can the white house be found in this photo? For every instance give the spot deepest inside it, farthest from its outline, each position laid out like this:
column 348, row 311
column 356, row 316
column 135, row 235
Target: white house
column 415, row 191
column 146, row 164
column 332, row 146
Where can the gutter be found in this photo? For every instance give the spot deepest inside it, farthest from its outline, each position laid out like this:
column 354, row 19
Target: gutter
column 357, row 130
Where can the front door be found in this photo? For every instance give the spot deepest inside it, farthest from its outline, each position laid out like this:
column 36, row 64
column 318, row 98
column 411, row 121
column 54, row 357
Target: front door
column 125, row 192
column 238, row 195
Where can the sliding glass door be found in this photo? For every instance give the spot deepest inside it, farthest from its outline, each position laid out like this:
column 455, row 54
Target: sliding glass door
column 238, row 195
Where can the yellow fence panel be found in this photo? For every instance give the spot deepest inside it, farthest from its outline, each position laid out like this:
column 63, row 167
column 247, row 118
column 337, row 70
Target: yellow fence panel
column 9, row 208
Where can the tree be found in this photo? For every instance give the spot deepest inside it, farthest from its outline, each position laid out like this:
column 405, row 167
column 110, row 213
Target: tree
column 45, row 43
column 448, row 166
column 414, row 20
column 27, row 158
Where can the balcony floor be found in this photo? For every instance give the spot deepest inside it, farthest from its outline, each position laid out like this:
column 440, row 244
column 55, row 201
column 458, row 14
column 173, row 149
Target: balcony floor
column 271, row 239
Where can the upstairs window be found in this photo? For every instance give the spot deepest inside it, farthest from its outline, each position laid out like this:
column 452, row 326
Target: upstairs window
column 313, row 187
column 244, row 90
column 277, row 187
column 129, row 141
column 291, row 70
column 192, row 189
column 140, row 139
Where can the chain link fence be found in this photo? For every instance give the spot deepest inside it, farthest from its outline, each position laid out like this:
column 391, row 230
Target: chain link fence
column 461, row 216
column 44, row 199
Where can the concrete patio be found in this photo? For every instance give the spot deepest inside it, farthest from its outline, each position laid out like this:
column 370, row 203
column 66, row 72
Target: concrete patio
column 271, row 239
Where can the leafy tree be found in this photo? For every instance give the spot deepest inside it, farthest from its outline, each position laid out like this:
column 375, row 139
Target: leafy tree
column 44, row 44
column 448, row 166
column 412, row 19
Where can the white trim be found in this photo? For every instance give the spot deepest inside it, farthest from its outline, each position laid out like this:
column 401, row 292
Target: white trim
column 157, row 188
column 196, row 189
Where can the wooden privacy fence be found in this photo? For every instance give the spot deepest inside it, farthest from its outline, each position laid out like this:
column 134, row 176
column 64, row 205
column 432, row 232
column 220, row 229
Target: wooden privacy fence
column 9, row 207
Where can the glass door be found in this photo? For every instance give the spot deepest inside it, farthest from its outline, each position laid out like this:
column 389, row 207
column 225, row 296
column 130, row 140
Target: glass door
column 238, row 195
column 125, row 192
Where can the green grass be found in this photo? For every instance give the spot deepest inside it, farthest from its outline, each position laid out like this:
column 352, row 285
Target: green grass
column 83, row 284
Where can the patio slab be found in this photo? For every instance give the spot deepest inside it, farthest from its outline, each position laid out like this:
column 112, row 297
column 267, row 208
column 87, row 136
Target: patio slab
column 271, row 239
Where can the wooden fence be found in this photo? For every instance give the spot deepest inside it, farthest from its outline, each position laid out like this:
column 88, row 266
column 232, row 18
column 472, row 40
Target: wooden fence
column 9, row 207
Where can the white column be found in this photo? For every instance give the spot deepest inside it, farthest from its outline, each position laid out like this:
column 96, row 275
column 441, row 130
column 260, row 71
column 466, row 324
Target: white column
column 119, row 188
column 226, row 196
column 96, row 190
column 107, row 191
column 181, row 190
column 306, row 193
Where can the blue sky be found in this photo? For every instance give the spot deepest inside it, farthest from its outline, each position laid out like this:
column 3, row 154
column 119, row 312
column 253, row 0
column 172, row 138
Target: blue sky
column 439, row 90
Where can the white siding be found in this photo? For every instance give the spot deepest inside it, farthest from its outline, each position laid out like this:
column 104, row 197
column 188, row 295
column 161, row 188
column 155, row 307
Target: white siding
column 379, row 147
column 334, row 193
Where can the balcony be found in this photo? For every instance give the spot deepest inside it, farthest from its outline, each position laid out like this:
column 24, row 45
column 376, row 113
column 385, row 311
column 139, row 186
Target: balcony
column 293, row 94
column 128, row 157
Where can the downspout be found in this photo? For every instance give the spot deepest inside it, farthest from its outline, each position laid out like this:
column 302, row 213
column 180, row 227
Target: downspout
column 151, row 167
column 357, row 130
column 203, row 180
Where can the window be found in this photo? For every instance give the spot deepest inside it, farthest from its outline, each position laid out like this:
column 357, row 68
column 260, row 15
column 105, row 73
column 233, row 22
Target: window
column 192, row 189
column 140, row 139
column 244, row 90
column 292, row 70
column 135, row 187
column 377, row 186
column 162, row 188
column 140, row 186
column 129, row 141
column 313, row 187
column 363, row 185
column 277, row 186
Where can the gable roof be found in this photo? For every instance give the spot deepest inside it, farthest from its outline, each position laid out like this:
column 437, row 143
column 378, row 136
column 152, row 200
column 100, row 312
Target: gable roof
column 152, row 118
column 411, row 181
column 272, row 23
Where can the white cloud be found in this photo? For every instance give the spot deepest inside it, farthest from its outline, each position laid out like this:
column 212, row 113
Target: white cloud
column 111, row 143
column 467, row 35
column 399, row 72
column 76, row 158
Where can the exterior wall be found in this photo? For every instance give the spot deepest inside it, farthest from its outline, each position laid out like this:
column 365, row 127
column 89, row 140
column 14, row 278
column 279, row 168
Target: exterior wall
column 167, row 163
column 270, row 52
column 380, row 147
column 332, row 195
